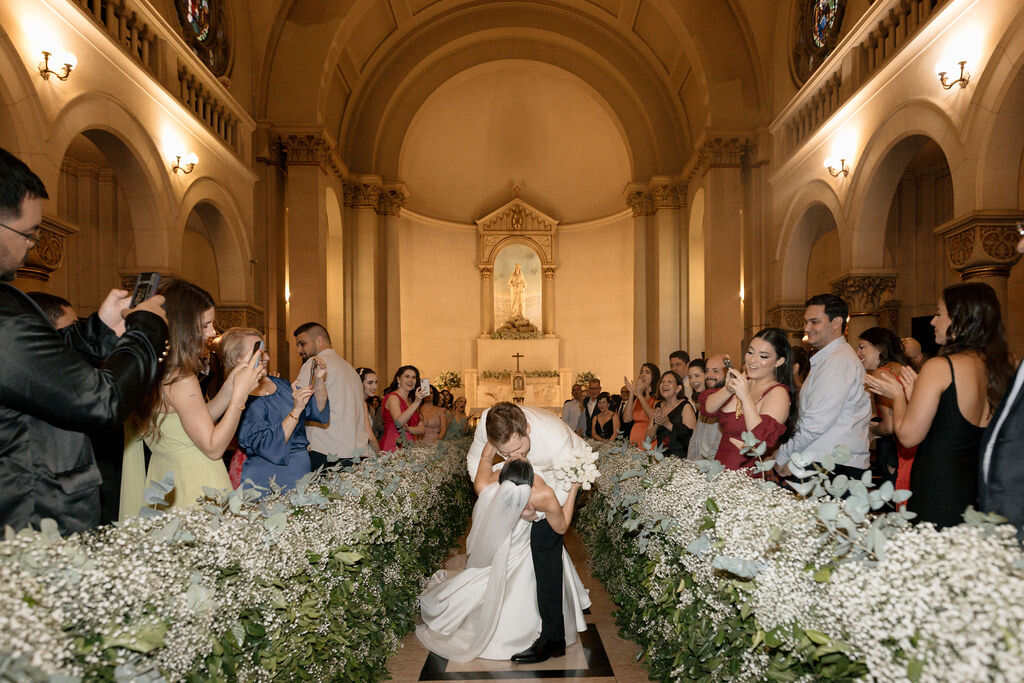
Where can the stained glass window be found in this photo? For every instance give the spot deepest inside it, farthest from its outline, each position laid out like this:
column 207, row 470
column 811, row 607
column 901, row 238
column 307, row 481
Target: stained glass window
column 823, row 19
column 205, row 30
column 197, row 14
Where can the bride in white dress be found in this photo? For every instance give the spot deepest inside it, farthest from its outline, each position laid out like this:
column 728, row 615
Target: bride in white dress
column 489, row 609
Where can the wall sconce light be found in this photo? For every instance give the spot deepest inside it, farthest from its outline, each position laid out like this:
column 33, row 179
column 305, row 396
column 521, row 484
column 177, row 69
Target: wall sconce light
column 835, row 172
column 964, row 79
column 185, row 163
column 68, row 60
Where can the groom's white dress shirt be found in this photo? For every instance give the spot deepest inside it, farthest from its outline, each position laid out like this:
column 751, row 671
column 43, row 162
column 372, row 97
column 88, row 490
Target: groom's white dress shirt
column 552, row 442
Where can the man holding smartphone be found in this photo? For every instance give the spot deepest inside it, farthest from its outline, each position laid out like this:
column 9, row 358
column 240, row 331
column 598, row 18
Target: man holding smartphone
column 51, row 391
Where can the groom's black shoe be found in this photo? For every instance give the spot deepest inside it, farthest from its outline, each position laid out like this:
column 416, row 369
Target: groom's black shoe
column 540, row 651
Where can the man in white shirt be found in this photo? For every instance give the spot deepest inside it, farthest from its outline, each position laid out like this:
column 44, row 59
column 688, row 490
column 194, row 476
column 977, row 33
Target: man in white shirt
column 707, row 436
column 541, row 438
column 835, row 409
column 572, row 410
column 348, row 430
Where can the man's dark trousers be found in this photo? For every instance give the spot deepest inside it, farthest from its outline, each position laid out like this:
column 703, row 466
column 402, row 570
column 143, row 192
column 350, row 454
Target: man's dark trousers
column 546, row 548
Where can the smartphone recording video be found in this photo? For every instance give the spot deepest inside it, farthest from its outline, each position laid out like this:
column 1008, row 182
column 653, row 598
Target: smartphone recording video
column 145, row 287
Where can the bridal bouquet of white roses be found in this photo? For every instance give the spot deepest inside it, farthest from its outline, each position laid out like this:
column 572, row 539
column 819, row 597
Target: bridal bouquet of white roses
column 580, row 467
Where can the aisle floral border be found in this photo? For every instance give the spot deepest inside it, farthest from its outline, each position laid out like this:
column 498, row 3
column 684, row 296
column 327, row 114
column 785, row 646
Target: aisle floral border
column 721, row 577
column 319, row 582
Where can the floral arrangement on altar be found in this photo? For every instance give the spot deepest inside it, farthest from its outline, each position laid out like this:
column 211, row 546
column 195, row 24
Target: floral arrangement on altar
column 720, row 576
column 449, row 379
column 585, row 377
column 506, row 375
column 317, row 582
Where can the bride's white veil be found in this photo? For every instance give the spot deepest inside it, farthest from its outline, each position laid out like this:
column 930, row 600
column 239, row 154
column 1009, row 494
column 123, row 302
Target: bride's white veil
column 495, row 516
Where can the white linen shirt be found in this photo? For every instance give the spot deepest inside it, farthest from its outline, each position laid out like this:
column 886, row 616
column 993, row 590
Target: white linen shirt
column 347, row 429
column 835, row 408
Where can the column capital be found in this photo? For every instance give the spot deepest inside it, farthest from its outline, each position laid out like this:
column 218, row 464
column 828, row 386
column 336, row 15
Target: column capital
column 865, row 293
column 667, row 193
column 640, row 201
column 789, row 317
column 720, row 151
column 311, row 147
column 240, row 315
column 47, row 255
column 982, row 243
column 549, row 272
column 486, row 270
column 392, row 199
column 362, row 194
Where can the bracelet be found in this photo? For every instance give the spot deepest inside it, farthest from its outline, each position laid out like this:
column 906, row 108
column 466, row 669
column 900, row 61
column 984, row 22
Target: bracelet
column 294, row 417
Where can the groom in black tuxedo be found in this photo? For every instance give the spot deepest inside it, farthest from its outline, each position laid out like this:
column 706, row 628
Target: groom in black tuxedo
column 508, row 434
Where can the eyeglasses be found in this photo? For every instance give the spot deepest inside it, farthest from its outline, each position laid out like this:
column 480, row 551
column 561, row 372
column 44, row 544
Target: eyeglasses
column 33, row 239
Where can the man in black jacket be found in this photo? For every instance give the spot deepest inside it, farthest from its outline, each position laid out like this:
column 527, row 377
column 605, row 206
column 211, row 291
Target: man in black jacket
column 1001, row 484
column 51, row 391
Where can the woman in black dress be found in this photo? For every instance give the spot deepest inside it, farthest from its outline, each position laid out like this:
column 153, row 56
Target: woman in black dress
column 945, row 409
column 674, row 417
column 605, row 423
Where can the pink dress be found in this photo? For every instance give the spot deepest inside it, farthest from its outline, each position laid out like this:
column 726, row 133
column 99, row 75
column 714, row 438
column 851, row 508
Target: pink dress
column 638, row 434
column 389, row 441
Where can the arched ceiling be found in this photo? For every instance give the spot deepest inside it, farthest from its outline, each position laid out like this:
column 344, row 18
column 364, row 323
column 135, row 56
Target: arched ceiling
column 670, row 70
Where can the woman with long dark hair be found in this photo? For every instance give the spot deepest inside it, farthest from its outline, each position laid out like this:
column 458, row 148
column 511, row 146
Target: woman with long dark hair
column 674, row 417
column 758, row 401
column 373, row 410
column 880, row 350
column 640, row 403
column 402, row 400
column 187, row 435
column 944, row 410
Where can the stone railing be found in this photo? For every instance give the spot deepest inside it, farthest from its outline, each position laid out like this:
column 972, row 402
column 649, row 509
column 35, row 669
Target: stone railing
column 158, row 48
column 884, row 30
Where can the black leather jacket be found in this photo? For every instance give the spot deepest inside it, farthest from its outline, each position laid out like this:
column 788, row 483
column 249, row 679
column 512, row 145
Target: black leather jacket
column 55, row 387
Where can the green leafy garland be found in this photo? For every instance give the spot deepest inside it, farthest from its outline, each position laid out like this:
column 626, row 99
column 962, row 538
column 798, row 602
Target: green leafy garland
column 318, row 583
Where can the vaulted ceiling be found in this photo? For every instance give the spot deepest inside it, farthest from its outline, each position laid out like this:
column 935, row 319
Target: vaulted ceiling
column 668, row 70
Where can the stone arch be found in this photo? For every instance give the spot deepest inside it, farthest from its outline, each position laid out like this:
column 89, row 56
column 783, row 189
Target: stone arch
column 491, row 251
column 877, row 173
column 133, row 154
column 993, row 126
column 221, row 217
column 21, row 112
column 814, row 206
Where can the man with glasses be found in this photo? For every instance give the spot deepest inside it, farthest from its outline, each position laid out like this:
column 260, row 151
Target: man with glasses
column 516, row 433
column 52, row 394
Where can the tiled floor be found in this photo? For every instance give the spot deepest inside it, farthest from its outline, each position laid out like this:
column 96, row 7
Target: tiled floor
column 600, row 656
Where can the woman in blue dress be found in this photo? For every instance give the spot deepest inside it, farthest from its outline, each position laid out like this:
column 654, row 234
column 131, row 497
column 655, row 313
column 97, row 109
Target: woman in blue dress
column 273, row 428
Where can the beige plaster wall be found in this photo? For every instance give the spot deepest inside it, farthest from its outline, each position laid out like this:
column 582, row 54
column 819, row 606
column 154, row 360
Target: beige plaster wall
column 201, row 265
column 823, row 266
column 515, row 122
column 594, row 302
column 440, row 297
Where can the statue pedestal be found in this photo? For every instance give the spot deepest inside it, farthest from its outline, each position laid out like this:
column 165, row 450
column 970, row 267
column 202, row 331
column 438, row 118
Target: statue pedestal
column 495, row 355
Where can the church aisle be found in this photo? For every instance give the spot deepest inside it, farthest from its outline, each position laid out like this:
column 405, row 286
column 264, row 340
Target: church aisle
column 600, row 656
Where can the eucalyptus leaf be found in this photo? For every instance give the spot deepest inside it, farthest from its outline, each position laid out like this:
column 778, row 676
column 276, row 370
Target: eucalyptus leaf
column 736, row 566
column 156, row 492
column 900, row 496
column 699, row 545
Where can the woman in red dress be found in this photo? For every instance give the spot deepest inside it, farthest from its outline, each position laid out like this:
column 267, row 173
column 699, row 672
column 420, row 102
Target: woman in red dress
column 402, row 401
column 758, row 402
column 640, row 403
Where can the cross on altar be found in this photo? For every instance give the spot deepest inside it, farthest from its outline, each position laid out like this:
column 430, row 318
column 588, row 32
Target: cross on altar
column 517, row 356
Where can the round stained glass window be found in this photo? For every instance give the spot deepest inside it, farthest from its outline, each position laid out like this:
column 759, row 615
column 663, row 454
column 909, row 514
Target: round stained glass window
column 823, row 19
column 197, row 14
column 205, row 30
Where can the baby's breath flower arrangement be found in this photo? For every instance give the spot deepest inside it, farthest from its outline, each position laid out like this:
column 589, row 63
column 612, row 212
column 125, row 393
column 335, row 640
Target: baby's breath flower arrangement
column 719, row 576
column 317, row 582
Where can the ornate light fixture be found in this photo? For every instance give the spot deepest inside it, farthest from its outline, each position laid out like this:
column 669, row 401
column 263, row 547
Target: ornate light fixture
column 67, row 59
column 962, row 81
column 185, row 163
column 834, row 171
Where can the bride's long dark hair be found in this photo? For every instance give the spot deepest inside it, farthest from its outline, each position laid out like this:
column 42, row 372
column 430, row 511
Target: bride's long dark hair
column 517, row 471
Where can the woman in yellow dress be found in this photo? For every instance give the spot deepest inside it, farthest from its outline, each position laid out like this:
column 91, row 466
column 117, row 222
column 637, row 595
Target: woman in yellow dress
column 187, row 435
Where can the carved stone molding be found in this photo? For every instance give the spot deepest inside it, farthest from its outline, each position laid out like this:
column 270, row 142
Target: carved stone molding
column 517, row 216
column 517, row 222
column 391, row 200
column 362, row 195
column 889, row 315
column 549, row 272
column 641, row 202
column 789, row 317
column 486, row 271
column 865, row 293
column 313, row 148
column 982, row 243
column 48, row 254
column 669, row 196
column 721, row 152
column 240, row 315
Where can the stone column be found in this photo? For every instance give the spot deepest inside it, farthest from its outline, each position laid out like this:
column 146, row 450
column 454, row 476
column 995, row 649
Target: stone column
column 486, row 301
column 864, row 293
column 368, row 265
column 639, row 200
column 47, row 256
column 982, row 247
column 670, row 300
column 392, row 199
column 547, row 298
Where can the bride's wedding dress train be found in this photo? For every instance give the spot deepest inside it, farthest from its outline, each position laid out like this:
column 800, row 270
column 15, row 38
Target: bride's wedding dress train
column 489, row 609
